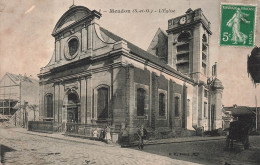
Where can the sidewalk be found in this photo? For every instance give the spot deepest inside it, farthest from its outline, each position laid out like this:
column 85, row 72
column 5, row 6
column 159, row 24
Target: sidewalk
column 61, row 136
column 79, row 139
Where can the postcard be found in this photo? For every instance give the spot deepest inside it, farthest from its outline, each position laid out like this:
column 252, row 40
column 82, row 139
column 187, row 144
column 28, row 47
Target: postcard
column 129, row 82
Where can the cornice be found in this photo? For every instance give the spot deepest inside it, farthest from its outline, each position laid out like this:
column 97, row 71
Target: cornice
column 162, row 69
column 188, row 25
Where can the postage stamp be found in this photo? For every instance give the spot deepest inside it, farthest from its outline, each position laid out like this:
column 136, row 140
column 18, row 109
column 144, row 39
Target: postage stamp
column 237, row 27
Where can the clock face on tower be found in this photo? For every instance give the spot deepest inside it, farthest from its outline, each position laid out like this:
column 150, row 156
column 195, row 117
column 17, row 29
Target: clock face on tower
column 183, row 20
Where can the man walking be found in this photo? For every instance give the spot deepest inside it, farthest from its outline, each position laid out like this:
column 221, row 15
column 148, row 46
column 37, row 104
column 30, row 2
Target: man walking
column 141, row 132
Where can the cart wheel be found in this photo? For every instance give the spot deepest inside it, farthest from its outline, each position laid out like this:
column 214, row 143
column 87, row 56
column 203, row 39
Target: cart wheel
column 231, row 144
column 227, row 142
column 246, row 143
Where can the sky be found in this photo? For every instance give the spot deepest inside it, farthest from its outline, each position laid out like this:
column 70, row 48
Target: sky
column 26, row 43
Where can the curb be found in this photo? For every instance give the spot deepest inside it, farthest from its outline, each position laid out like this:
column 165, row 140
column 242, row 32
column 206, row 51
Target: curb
column 42, row 134
column 58, row 138
column 181, row 141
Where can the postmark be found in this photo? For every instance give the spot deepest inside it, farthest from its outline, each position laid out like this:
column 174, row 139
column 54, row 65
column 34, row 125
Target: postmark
column 237, row 27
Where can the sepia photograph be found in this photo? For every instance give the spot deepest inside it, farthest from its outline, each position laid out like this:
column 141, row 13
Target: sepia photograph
column 119, row 82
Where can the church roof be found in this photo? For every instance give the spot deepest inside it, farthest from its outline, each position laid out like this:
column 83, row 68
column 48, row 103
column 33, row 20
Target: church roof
column 240, row 110
column 142, row 53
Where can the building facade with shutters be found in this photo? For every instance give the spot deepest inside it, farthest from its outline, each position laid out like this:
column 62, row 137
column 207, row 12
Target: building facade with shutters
column 97, row 78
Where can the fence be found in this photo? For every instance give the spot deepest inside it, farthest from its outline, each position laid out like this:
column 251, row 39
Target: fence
column 83, row 129
column 86, row 130
column 42, row 126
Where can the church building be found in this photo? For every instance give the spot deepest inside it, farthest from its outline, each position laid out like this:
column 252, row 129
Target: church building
column 96, row 78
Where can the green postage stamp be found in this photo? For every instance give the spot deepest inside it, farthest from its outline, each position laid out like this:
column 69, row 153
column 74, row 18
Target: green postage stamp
column 237, row 26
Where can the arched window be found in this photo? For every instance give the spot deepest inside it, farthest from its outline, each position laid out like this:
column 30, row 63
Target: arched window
column 161, row 104
column 184, row 37
column 140, row 102
column 102, row 103
column 177, row 106
column 183, row 52
column 73, row 98
column 49, row 105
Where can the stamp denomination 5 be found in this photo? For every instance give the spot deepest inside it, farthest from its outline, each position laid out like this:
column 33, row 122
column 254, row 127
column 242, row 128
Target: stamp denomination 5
column 237, row 26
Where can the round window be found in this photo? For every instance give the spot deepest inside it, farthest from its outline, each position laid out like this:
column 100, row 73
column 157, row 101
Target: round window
column 73, row 46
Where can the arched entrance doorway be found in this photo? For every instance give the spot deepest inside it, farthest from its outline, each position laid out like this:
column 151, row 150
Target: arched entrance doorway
column 73, row 107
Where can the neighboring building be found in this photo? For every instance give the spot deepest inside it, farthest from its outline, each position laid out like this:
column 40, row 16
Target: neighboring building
column 242, row 113
column 96, row 78
column 16, row 91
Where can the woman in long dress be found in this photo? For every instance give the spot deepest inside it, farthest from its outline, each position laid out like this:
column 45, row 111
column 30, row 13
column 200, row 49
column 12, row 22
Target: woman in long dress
column 234, row 22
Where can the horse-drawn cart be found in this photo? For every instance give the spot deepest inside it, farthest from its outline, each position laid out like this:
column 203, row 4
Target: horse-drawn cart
column 238, row 132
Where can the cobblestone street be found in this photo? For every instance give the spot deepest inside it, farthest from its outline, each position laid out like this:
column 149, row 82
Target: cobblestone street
column 19, row 147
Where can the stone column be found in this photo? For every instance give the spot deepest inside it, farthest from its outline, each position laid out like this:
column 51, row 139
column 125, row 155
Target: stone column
column 197, row 52
column 154, row 99
column 89, row 106
column 184, row 107
column 41, row 102
column 61, row 97
column 171, row 104
column 56, row 102
column 84, row 38
column 119, row 88
column 195, row 106
column 89, row 39
column 200, row 105
column 83, row 100
column 57, row 51
column 131, row 98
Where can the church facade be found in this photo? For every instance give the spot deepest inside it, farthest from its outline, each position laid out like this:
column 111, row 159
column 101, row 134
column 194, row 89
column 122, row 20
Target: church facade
column 97, row 78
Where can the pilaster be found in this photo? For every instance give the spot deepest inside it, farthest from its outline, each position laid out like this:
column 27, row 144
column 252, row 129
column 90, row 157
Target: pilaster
column 56, row 102
column 131, row 98
column 83, row 100
column 61, row 96
column 154, row 92
column 89, row 96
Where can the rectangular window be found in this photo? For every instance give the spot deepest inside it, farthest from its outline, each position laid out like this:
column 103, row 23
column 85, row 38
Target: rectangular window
column 102, row 103
column 140, row 101
column 205, row 109
column 161, row 104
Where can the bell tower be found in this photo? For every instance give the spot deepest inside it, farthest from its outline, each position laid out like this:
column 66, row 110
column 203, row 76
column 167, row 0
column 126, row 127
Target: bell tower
column 188, row 44
column 188, row 52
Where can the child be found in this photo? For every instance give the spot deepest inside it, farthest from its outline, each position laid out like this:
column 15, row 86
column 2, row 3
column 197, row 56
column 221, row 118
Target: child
column 95, row 133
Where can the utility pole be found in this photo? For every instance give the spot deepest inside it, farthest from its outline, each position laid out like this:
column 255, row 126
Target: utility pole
column 20, row 106
column 256, row 114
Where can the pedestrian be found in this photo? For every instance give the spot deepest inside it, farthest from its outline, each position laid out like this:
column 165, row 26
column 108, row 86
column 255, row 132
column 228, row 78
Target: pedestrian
column 107, row 134
column 141, row 132
column 95, row 133
column 124, row 135
column 101, row 136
